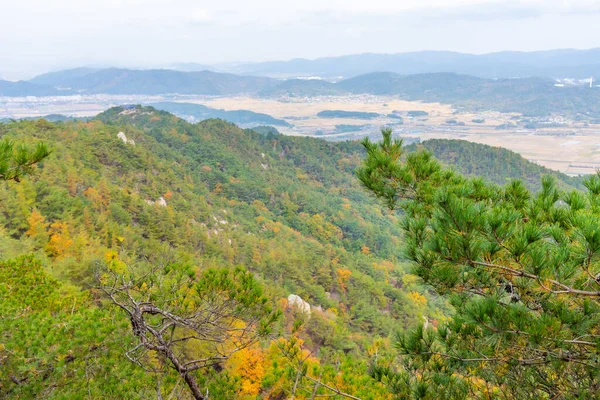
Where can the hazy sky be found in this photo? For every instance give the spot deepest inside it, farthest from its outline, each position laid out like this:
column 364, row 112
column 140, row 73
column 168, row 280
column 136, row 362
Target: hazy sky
column 41, row 35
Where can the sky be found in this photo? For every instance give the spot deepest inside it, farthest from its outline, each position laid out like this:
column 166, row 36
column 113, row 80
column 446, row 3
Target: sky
column 37, row 36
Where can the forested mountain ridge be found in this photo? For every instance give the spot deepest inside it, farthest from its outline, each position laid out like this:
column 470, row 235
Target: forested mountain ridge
column 138, row 186
column 495, row 164
column 204, row 195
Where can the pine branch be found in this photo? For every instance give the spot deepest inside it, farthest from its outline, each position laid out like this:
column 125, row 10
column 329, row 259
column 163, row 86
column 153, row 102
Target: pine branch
column 516, row 272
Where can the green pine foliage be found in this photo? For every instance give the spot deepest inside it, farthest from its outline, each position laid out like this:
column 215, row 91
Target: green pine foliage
column 19, row 160
column 520, row 270
column 55, row 343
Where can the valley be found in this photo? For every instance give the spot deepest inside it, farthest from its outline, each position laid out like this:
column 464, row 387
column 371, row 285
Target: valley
column 559, row 143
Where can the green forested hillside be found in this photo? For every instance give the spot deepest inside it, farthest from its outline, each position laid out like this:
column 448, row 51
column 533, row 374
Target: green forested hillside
column 192, row 197
column 206, row 195
column 495, row 164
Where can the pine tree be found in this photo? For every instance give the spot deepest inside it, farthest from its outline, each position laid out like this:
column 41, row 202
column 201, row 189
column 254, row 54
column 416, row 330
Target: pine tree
column 522, row 272
column 19, row 160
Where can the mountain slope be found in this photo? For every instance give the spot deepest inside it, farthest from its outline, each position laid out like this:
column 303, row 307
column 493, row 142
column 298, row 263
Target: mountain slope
column 530, row 96
column 421, row 85
column 50, row 118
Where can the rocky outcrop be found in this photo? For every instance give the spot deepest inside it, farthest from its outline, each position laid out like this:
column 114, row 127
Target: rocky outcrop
column 297, row 302
column 122, row 136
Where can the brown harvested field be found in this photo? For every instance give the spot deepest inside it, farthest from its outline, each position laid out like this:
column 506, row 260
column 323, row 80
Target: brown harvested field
column 311, row 107
column 305, row 112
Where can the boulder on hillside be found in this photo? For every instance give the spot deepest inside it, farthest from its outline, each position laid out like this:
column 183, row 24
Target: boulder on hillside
column 296, row 301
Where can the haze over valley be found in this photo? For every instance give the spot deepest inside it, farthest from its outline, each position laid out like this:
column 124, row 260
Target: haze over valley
column 517, row 100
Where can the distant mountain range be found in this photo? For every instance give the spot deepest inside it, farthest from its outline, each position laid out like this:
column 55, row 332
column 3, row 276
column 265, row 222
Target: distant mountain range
column 191, row 67
column 567, row 63
column 152, row 82
column 530, row 96
column 541, row 95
